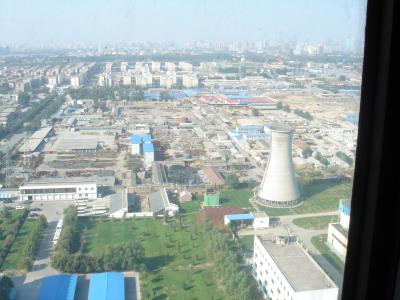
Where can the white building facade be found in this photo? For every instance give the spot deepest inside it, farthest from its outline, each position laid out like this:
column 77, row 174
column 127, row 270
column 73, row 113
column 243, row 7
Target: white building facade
column 284, row 271
column 338, row 232
column 59, row 189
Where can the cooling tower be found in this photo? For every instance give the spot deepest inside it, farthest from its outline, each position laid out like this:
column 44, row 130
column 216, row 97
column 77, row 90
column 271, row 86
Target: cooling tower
column 279, row 186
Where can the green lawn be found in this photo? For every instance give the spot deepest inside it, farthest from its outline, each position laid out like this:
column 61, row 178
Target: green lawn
column 247, row 242
column 16, row 256
column 321, row 196
column 6, row 223
column 320, row 222
column 319, row 241
column 235, row 198
column 170, row 253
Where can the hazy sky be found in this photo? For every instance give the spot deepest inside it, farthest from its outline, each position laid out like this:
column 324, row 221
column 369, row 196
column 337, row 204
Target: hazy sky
column 39, row 22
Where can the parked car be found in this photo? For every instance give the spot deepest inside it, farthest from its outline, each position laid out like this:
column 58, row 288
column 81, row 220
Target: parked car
column 20, row 207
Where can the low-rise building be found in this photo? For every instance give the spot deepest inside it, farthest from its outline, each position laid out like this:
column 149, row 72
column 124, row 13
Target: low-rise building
column 59, row 189
column 159, row 203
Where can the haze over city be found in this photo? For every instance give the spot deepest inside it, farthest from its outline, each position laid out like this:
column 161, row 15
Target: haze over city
column 177, row 149
column 77, row 22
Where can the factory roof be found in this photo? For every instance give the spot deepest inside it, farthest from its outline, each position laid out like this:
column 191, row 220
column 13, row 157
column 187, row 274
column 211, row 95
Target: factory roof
column 77, row 143
column 239, row 217
column 159, row 201
column 213, row 176
column 119, row 201
column 58, row 287
column 147, row 138
column 58, row 181
column 135, row 139
column 295, row 263
column 148, row 147
column 107, row 286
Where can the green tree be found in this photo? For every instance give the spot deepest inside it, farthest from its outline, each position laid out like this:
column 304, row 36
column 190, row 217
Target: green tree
column 24, row 98
column 232, row 181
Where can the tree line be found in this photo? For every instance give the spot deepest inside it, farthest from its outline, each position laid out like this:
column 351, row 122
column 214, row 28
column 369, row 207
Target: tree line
column 32, row 244
column 33, row 116
column 69, row 253
column 233, row 274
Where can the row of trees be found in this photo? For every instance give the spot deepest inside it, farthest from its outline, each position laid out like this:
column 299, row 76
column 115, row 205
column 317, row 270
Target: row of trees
column 343, row 156
column 33, row 116
column 32, row 244
column 322, row 159
column 127, row 256
column 69, row 256
column 12, row 234
column 236, row 278
column 304, row 114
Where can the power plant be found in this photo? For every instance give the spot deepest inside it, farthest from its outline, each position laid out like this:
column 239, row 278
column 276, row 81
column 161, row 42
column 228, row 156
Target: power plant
column 279, row 186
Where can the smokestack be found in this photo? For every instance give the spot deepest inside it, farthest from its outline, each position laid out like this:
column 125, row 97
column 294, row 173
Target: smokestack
column 279, row 186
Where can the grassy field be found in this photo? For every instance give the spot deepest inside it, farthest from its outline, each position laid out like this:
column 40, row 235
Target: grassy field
column 175, row 256
column 321, row 196
column 236, row 198
column 7, row 223
column 319, row 241
column 16, row 256
column 320, row 222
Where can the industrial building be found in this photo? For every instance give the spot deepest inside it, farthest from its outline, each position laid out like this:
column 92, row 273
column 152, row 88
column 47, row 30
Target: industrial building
column 107, row 286
column 159, row 203
column 216, row 214
column 258, row 220
column 211, row 199
column 279, row 186
column 212, row 177
column 36, row 141
column 148, row 153
column 72, row 188
column 58, row 287
column 136, row 144
column 284, row 270
column 338, row 232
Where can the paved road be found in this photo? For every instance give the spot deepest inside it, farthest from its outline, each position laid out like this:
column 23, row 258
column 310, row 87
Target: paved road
column 28, row 285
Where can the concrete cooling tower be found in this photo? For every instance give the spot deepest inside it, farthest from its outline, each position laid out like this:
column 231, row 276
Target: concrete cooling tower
column 279, row 186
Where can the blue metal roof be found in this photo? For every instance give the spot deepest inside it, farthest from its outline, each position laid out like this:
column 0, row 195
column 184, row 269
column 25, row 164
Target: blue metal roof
column 240, row 217
column 135, row 139
column 147, row 138
column 107, row 286
column 148, row 147
column 58, row 287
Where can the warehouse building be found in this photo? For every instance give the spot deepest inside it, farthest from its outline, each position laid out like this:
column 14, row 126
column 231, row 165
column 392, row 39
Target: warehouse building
column 58, row 287
column 59, row 189
column 159, row 203
column 107, row 286
column 338, row 232
column 136, row 144
column 148, row 153
column 77, row 144
column 36, row 141
column 284, row 270
column 212, row 177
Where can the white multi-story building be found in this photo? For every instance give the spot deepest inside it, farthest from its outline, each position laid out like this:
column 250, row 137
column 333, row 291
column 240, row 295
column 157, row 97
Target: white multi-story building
column 185, row 66
column 59, row 189
column 285, row 271
column 190, row 81
column 338, row 232
column 75, row 81
column 127, row 80
column 124, row 66
column 169, row 66
column 155, row 66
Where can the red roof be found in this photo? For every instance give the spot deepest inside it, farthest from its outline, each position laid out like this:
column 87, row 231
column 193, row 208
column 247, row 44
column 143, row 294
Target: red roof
column 216, row 214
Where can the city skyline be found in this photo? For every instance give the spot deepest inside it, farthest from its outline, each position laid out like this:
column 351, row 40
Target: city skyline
column 123, row 21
